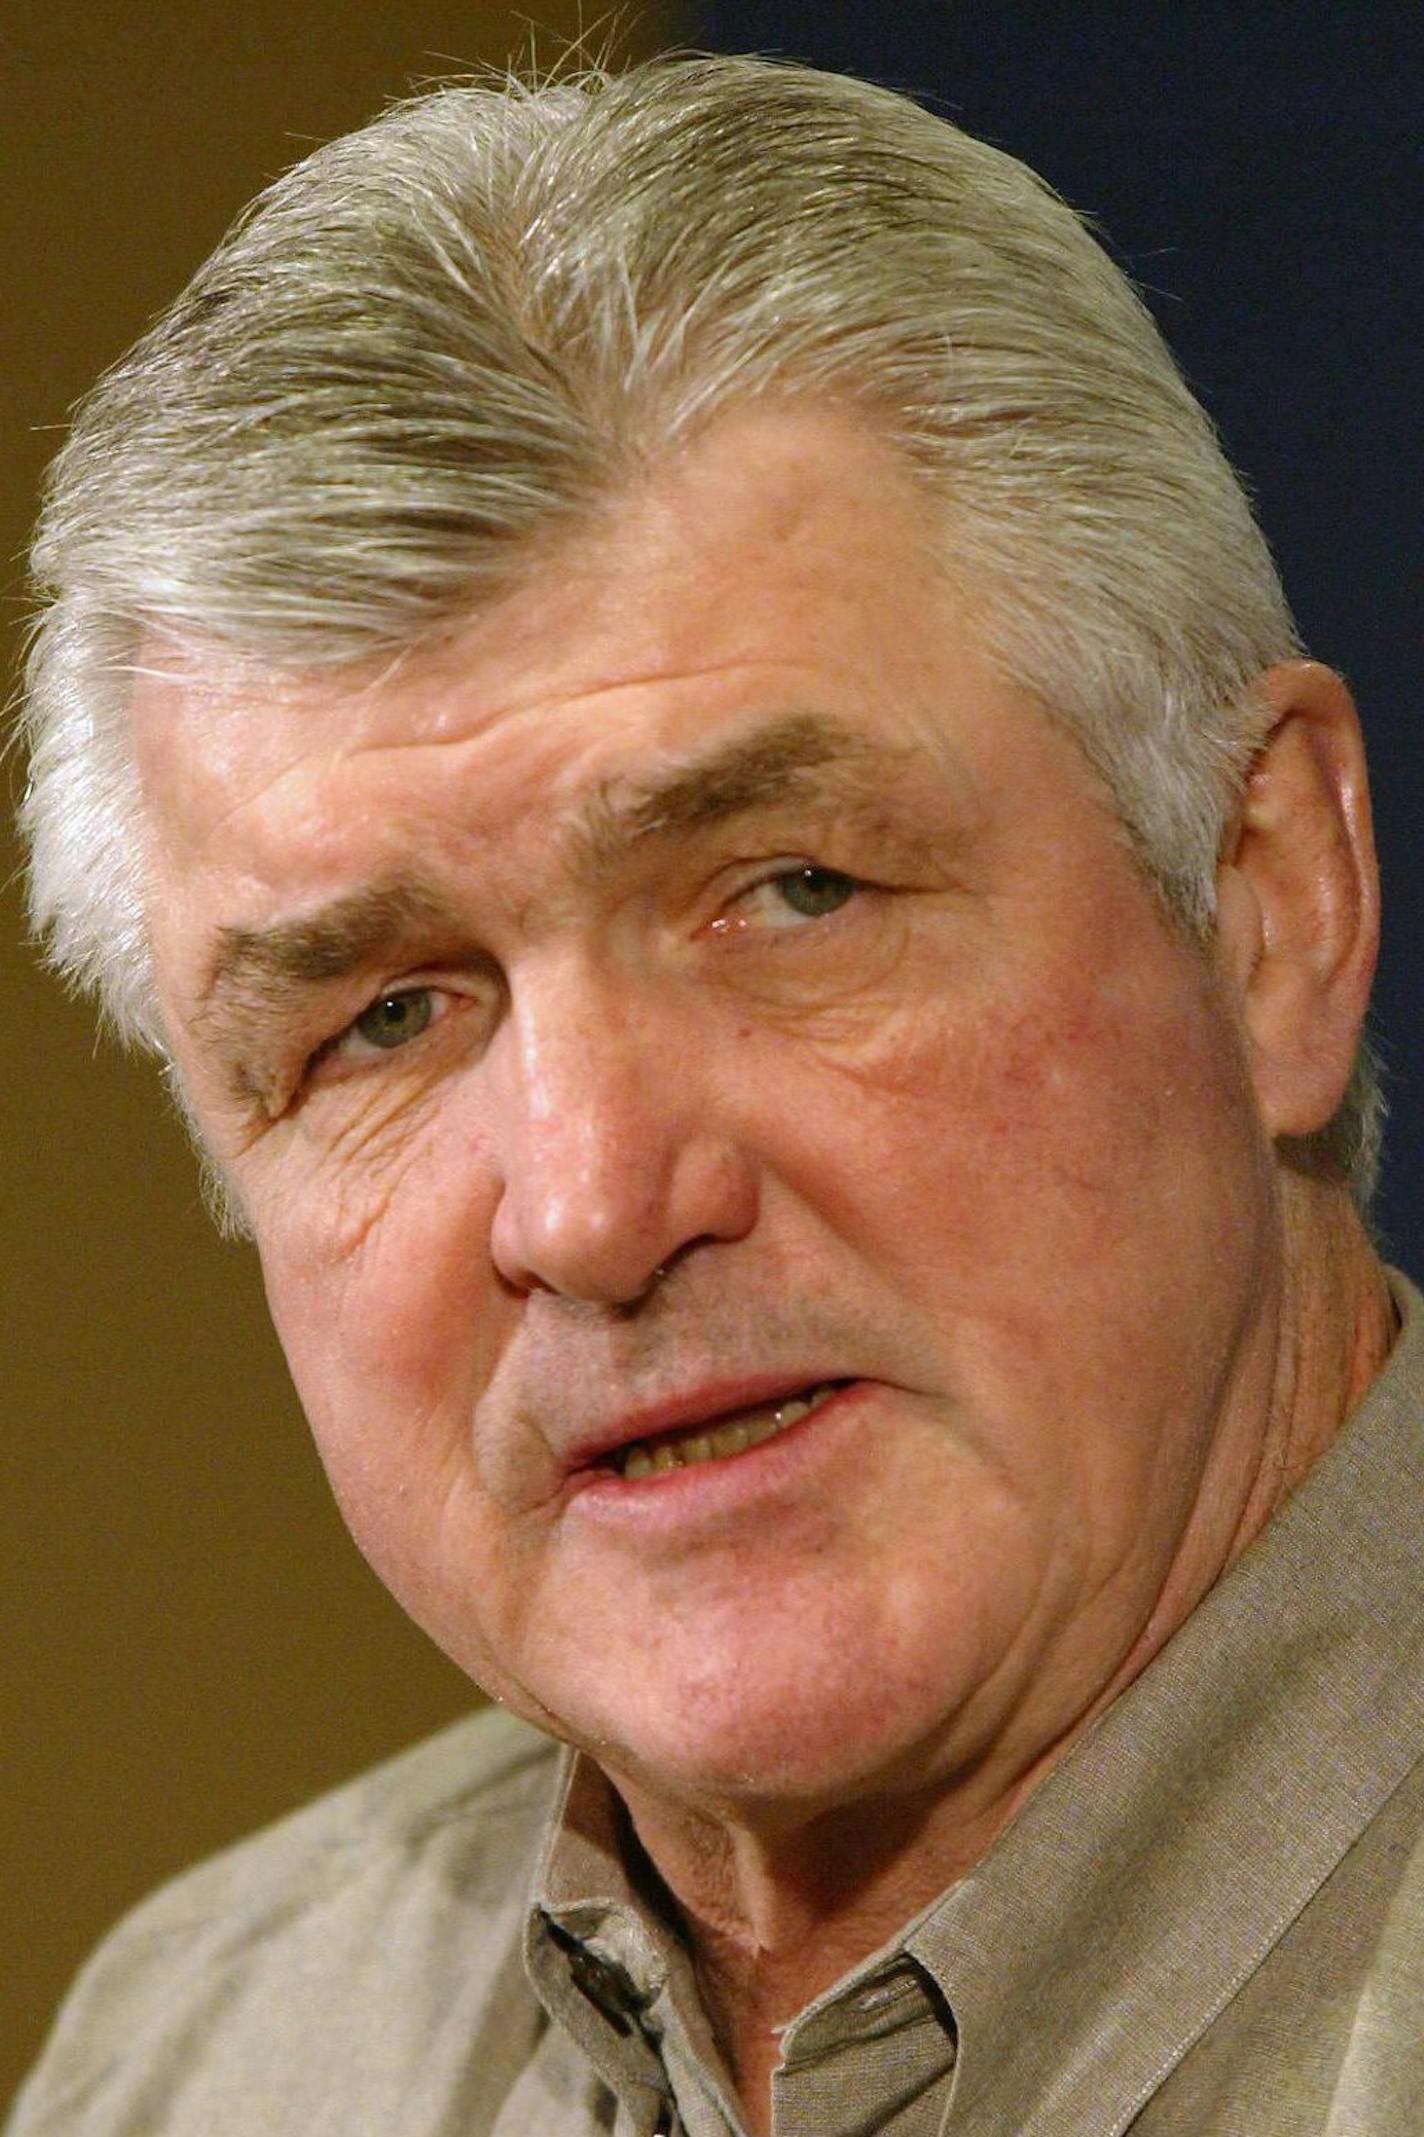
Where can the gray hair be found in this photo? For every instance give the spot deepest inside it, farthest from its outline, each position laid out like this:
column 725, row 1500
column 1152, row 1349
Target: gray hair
column 440, row 341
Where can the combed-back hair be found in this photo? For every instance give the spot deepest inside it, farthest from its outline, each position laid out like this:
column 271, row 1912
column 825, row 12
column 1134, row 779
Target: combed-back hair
column 442, row 341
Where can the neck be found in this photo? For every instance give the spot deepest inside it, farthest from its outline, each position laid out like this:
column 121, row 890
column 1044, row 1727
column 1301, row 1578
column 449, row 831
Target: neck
column 1337, row 1325
column 777, row 1913
column 779, row 1903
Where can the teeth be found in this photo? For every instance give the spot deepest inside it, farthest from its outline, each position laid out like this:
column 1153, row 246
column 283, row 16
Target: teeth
column 656, row 1457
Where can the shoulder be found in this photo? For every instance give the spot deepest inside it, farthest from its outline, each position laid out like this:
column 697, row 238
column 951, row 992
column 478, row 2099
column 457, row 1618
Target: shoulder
column 463, row 1795
column 260, row 1968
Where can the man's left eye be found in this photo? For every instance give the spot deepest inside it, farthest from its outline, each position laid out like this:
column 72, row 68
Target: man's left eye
column 792, row 895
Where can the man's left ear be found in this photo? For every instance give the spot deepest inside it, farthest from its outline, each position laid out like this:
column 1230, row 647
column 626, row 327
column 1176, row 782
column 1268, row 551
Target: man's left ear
column 1298, row 900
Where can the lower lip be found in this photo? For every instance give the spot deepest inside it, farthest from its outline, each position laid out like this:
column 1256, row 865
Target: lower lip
column 727, row 1483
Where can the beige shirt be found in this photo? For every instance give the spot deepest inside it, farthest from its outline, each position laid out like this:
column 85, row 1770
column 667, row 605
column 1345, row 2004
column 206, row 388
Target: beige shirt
column 1208, row 1922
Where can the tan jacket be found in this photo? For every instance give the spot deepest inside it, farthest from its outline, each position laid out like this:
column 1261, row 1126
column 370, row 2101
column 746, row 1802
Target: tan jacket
column 1209, row 1921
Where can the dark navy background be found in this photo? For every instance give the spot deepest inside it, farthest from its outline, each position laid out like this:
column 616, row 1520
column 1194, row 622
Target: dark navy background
column 1256, row 168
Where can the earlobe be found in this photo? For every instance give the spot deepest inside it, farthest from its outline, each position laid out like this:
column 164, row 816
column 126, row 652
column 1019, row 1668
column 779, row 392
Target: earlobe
column 1298, row 900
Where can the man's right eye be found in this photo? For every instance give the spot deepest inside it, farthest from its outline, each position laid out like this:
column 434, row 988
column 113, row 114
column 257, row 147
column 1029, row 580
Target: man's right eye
column 389, row 1023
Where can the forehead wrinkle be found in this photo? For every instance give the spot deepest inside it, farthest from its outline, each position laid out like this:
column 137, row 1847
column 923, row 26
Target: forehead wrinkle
column 257, row 976
column 260, row 965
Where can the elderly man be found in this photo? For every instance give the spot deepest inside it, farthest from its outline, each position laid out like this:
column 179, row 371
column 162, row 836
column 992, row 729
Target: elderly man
column 663, row 706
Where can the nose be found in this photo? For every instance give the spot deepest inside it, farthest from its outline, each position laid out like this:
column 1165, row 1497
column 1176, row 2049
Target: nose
column 612, row 1164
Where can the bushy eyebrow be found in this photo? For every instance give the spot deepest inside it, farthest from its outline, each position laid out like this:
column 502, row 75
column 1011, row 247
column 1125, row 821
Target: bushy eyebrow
column 255, row 975
column 327, row 944
column 752, row 772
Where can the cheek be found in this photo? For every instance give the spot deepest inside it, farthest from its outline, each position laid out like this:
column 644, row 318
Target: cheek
column 389, row 1350
column 1049, row 1135
column 1069, row 1203
column 380, row 1285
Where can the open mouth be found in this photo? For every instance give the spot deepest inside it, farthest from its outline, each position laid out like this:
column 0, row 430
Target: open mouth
column 713, row 1441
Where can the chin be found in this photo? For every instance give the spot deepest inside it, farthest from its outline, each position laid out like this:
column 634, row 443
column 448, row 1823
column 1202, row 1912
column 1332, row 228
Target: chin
column 828, row 1731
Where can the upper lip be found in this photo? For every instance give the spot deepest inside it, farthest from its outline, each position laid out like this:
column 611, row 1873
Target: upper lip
column 709, row 1403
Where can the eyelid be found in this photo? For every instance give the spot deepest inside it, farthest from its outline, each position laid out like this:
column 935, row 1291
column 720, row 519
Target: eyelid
column 367, row 1049
column 445, row 994
column 731, row 917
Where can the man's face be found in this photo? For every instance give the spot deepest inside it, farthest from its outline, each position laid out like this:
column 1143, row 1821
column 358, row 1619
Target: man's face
column 703, row 990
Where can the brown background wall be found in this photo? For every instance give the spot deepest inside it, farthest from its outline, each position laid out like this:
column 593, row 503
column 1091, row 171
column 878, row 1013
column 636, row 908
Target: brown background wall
column 190, row 1643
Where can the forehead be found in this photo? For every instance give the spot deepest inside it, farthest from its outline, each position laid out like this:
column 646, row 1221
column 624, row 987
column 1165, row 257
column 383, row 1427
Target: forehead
column 780, row 569
column 783, row 535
